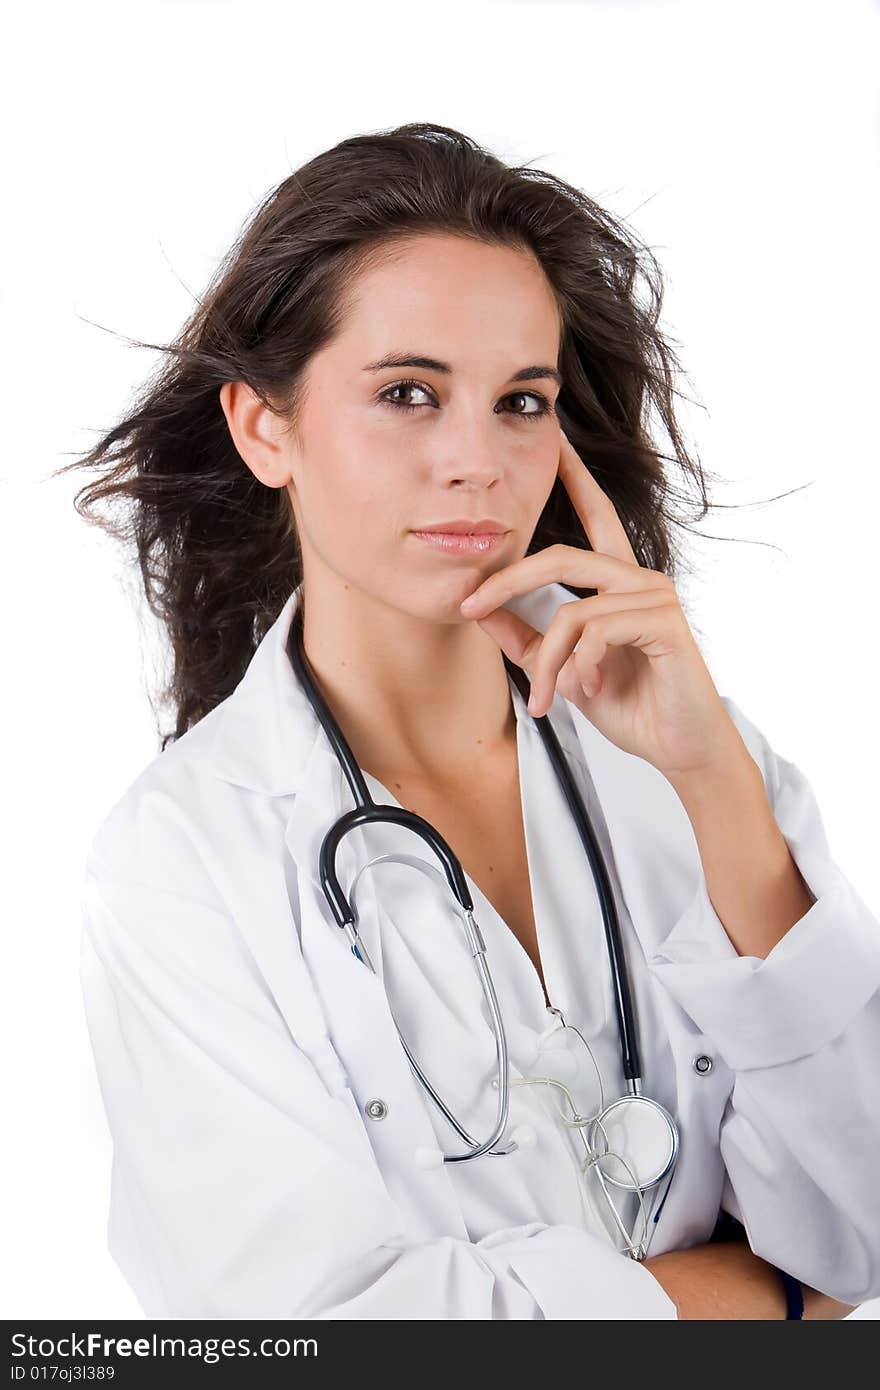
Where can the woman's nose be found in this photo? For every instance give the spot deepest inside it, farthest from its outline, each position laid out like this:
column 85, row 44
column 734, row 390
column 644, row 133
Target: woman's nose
column 472, row 458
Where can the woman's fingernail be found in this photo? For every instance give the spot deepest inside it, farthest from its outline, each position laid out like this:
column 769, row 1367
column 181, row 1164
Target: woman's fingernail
column 467, row 604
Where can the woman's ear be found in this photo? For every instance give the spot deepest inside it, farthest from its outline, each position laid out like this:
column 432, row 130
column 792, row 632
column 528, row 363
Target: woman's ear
column 261, row 437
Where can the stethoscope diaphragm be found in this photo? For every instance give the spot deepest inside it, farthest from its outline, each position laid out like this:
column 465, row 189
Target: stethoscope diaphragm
column 641, row 1130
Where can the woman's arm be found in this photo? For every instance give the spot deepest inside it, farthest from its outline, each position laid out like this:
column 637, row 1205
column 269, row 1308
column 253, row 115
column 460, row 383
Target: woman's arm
column 719, row 1281
column 799, row 1030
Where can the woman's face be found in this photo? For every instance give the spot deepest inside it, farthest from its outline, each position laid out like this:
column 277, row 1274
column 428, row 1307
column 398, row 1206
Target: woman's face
column 383, row 450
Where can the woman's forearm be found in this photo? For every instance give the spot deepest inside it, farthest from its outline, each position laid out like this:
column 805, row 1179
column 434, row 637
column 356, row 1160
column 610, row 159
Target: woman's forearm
column 728, row 1281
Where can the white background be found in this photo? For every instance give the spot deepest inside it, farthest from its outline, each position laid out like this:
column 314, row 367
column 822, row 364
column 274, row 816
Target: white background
column 739, row 141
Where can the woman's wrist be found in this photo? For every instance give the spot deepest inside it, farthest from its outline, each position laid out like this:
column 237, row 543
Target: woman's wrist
column 727, row 1280
column 720, row 1281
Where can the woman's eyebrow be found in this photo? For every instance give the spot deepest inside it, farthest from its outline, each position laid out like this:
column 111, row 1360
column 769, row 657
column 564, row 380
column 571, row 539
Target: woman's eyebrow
column 430, row 364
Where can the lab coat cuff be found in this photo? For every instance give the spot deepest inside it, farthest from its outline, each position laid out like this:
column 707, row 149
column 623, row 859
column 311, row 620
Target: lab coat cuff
column 574, row 1276
column 815, row 980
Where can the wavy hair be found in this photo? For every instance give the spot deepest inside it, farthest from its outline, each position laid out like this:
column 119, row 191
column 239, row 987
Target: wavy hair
column 217, row 550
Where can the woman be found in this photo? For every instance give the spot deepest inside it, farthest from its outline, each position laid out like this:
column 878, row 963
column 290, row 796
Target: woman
column 412, row 341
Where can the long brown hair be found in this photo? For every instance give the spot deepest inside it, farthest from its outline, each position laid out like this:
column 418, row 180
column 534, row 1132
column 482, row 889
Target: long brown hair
column 217, row 550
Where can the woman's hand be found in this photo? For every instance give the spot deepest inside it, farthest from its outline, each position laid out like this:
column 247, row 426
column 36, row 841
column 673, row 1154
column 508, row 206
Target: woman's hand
column 625, row 657
column 729, row 1281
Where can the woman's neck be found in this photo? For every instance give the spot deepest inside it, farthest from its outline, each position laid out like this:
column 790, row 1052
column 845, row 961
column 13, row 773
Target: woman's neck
column 413, row 697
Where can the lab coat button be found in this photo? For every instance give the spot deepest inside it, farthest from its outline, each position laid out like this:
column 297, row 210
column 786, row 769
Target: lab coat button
column 702, row 1064
column 376, row 1109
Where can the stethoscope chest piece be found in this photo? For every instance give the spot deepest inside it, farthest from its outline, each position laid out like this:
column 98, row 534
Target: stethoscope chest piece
column 643, row 1131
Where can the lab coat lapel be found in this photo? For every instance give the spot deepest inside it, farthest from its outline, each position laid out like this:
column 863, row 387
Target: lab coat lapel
column 354, row 1002
column 266, row 738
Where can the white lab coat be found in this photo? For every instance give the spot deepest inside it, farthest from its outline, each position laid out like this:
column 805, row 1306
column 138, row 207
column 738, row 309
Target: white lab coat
column 238, row 1041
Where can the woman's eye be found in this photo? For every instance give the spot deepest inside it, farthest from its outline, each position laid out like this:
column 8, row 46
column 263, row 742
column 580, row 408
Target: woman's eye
column 401, row 386
column 544, row 407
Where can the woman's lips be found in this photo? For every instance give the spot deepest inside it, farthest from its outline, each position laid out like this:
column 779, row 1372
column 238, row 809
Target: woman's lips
column 456, row 543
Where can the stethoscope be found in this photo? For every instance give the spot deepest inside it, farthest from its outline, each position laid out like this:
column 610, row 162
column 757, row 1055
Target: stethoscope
column 651, row 1131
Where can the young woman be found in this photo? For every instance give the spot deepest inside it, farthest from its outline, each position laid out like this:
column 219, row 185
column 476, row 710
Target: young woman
column 421, row 378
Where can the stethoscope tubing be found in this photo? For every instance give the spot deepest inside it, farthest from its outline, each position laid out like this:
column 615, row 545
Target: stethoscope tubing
column 367, row 811
column 619, row 972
